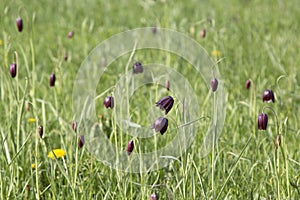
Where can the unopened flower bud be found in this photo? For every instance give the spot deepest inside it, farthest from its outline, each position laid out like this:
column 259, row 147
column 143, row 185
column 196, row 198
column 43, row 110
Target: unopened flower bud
column 214, row 84
column 203, row 33
column 74, row 126
column 19, row 23
column 167, row 85
column 262, row 121
column 70, row 34
column 248, row 84
column 41, row 131
column 109, row 102
column 81, row 141
column 154, row 196
column 130, row 147
column 52, row 80
column 13, row 70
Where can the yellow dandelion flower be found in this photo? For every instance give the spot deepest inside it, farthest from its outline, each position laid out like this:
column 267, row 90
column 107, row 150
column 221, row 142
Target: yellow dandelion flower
column 216, row 53
column 32, row 166
column 58, row 153
column 31, row 120
column 1, row 42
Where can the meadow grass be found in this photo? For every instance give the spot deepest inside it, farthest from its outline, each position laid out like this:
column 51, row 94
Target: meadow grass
column 256, row 40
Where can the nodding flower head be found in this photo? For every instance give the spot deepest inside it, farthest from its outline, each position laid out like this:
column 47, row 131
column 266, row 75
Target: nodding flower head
column 154, row 196
column 248, row 84
column 81, row 141
column 41, row 131
column 19, row 23
column 214, row 84
column 203, row 33
column 13, row 70
column 137, row 68
column 70, row 34
column 165, row 104
column 268, row 96
column 167, row 85
column 262, row 121
column 52, row 80
column 74, row 126
column 130, row 147
column 161, row 125
column 108, row 102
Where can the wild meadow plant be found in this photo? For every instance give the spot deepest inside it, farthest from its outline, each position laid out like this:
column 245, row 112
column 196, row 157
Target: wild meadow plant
column 45, row 150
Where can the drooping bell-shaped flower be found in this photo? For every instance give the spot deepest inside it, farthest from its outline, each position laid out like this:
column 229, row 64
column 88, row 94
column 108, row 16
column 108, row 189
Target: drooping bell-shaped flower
column 81, row 141
column 19, row 23
column 137, row 68
column 262, row 121
column 214, row 84
column 248, row 84
column 130, row 147
column 52, row 80
column 165, row 104
column 161, row 125
column 108, row 102
column 268, row 96
column 13, row 70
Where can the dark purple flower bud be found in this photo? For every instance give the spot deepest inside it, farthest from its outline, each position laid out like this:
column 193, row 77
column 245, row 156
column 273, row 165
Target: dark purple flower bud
column 27, row 105
column 203, row 33
column 248, row 84
column 268, row 96
column 66, row 56
column 70, row 34
column 19, row 22
column 41, row 131
column 165, row 103
column 214, row 84
column 52, row 80
column 129, row 147
column 13, row 70
column 167, row 85
column 154, row 29
column 74, row 126
column 154, row 196
column 81, row 141
column 108, row 102
column 161, row 125
column 277, row 141
column 137, row 68
column 262, row 121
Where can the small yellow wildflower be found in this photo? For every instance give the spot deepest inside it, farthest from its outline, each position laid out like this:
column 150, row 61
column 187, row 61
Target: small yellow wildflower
column 32, row 166
column 1, row 42
column 58, row 153
column 31, row 120
column 216, row 53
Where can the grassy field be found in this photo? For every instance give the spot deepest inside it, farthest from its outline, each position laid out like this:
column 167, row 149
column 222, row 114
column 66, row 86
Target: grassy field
column 248, row 39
